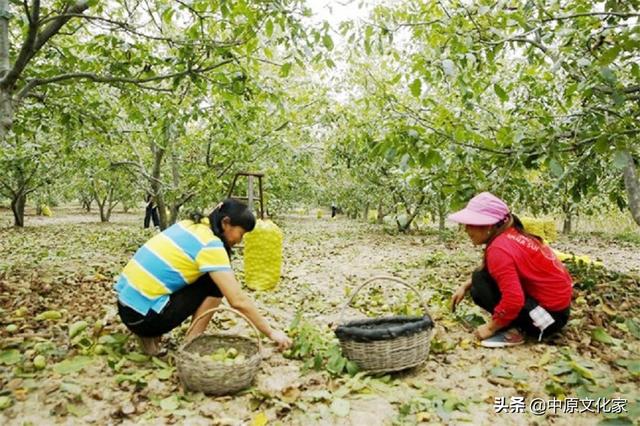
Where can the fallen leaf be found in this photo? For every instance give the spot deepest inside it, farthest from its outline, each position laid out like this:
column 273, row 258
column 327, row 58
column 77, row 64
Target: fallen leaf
column 5, row 402
column 340, row 407
column 259, row 419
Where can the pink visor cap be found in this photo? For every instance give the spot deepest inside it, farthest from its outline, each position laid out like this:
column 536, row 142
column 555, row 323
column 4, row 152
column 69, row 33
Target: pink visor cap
column 483, row 209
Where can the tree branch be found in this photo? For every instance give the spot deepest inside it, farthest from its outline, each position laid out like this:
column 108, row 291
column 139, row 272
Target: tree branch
column 28, row 46
column 130, row 29
column 49, row 31
column 111, row 79
column 140, row 170
column 580, row 15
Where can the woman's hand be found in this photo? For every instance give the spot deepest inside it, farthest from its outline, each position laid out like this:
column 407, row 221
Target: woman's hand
column 484, row 331
column 458, row 296
column 280, row 339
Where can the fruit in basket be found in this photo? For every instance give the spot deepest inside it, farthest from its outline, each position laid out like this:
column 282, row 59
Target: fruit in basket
column 227, row 356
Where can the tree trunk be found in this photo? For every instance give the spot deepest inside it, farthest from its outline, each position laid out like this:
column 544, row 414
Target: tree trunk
column 156, row 185
column 411, row 215
column 6, row 104
column 17, row 207
column 6, row 111
column 101, row 207
column 632, row 184
column 441, row 220
column 111, row 204
column 173, row 214
column 566, row 227
column 380, row 217
column 366, row 212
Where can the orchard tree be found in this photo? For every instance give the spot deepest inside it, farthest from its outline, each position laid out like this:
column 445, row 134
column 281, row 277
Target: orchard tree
column 548, row 82
column 151, row 46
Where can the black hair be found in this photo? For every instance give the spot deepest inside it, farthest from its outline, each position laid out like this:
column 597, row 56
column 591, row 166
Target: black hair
column 517, row 223
column 238, row 213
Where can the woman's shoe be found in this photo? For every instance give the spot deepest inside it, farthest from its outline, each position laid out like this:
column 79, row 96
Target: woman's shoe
column 502, row 339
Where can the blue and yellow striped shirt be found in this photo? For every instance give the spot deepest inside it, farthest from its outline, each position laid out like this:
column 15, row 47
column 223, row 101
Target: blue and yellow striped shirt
column 169, row 261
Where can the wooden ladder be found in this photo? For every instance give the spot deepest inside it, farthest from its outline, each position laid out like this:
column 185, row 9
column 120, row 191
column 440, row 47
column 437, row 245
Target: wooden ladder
column 250, row 197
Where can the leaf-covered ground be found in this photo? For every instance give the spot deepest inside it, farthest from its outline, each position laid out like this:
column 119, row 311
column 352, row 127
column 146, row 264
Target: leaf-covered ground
column 65, row 357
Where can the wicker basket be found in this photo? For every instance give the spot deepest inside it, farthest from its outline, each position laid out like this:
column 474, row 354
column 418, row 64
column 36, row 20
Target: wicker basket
column 385, row 344
column 198, row 372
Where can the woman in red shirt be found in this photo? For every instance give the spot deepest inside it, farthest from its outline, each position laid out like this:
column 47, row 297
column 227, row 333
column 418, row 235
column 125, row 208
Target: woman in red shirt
column 521, row 281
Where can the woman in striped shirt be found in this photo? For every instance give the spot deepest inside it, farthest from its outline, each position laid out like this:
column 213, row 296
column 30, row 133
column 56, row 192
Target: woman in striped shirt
column 184, row 271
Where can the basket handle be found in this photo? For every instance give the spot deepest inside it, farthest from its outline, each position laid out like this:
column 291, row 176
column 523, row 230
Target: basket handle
column 226, row 308
column 377, row 278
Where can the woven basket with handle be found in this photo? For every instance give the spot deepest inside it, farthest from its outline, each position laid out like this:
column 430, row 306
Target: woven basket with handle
column 199, row 372
column 386, row 344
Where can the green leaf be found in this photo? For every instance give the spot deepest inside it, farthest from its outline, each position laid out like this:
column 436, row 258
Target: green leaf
column 352, row 368
column 600, row 335
column 504, row 96
column 285, row 69
column 49, row 315
column 500, row 372
column 620, row 159
column 10, row 357
column 72, row 365
column 608, row 74
column 609, row 55
column 602, row 144
column 164, row 374
column 556, row 168
column 269, row 28
column 327, row 41
column 137, row 357
column 77, row 328
column 633, row 365
column 416, row 87
column 71, row 388
column 170, row 403
column 340, row 407
column 5, row 402
column 78, row 410
column 167, row 15
column 633, row 327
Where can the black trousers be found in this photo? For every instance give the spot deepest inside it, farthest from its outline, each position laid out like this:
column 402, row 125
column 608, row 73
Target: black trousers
column 182, row 304
column 151, row 213
column 486, row 294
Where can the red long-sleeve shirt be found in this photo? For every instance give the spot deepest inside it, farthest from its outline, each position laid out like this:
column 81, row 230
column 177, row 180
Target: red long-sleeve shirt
column 522, row 266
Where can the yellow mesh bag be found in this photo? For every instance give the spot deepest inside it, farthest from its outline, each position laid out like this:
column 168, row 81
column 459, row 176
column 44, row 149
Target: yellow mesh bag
column 544, row 228
column 263, row 256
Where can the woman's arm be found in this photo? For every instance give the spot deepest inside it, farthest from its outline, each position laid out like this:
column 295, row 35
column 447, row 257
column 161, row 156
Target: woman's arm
column 238, row 299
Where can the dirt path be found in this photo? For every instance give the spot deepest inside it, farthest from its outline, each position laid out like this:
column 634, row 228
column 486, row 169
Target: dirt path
column 325, row 261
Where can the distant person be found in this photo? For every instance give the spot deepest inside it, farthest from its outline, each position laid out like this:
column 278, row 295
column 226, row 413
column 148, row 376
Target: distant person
column 334, row 209
column 184, row 271
column 521, row 281
column 151, row 212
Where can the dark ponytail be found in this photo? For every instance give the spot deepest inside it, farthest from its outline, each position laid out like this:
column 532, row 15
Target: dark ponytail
column 517, row 223
column 238, row 213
